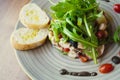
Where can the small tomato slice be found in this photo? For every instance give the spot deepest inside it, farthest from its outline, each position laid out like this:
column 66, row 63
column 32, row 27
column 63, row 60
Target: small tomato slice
column 106, row 68
column 83, row 58
column 66, row 49
column 117, row 8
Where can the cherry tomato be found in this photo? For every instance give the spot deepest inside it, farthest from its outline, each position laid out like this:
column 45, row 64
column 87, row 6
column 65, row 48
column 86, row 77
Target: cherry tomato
column 66, row 49
column 117, row 8
column 60, row 36
column 100, row 34
column 106, row 68
column 83, row 58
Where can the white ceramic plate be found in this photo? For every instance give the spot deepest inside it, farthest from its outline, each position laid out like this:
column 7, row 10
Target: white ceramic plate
column 45, row 62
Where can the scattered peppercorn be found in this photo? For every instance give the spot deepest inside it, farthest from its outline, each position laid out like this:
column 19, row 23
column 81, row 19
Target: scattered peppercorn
column 116, row 59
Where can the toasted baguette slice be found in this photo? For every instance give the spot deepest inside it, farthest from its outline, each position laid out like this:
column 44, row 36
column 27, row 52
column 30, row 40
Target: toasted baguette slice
column 32, row 16
column 25, row 38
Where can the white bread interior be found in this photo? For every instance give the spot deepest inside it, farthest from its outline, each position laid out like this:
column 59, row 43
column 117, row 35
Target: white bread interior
column 32, row 16
column 25, row 38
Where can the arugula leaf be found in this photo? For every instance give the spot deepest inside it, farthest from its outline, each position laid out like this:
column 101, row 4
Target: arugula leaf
column 55, row 27
column 77, row 38
column 75, row 5
column 93, row 16
column 68, row 21
column 116, row 36
column 94, row 55
column 61, row 8
column 93, row 38
column 87, row 27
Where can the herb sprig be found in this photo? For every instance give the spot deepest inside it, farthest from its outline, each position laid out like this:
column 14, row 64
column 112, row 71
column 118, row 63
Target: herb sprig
column 116, row 36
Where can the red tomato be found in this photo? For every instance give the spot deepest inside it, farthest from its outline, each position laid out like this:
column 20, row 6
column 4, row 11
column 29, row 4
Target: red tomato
column 83, row 58
column 60, row 36
column 106, row 68
column 66, row 49
column 100, row 34
column 117, row 8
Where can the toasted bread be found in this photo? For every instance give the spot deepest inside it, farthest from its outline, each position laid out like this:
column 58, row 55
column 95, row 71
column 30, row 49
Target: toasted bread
column 25, row 38
column 32, row 16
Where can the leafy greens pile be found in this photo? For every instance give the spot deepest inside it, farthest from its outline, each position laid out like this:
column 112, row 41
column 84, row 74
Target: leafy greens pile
column 75, row 20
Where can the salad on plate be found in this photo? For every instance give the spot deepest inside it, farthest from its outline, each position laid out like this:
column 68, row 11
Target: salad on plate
column 79, row 28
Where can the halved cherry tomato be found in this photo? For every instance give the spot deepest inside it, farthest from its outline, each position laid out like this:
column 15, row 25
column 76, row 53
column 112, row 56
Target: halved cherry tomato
column 117, row 8
column 100, row 34
column 106, row 68
column 83, row 58
column 66, row 49
column 60, row 36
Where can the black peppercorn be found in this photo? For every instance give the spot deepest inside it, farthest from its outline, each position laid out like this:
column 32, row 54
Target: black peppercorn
column 73, row 43
column 116, row 59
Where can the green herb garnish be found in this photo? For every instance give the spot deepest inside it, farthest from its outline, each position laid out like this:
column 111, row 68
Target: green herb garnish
column 116, row 36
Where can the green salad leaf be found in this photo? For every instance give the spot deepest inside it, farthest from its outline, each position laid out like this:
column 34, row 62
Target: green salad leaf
column 116, row 36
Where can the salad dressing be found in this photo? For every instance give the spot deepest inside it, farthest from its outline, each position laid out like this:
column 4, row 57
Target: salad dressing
column 82, row 73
